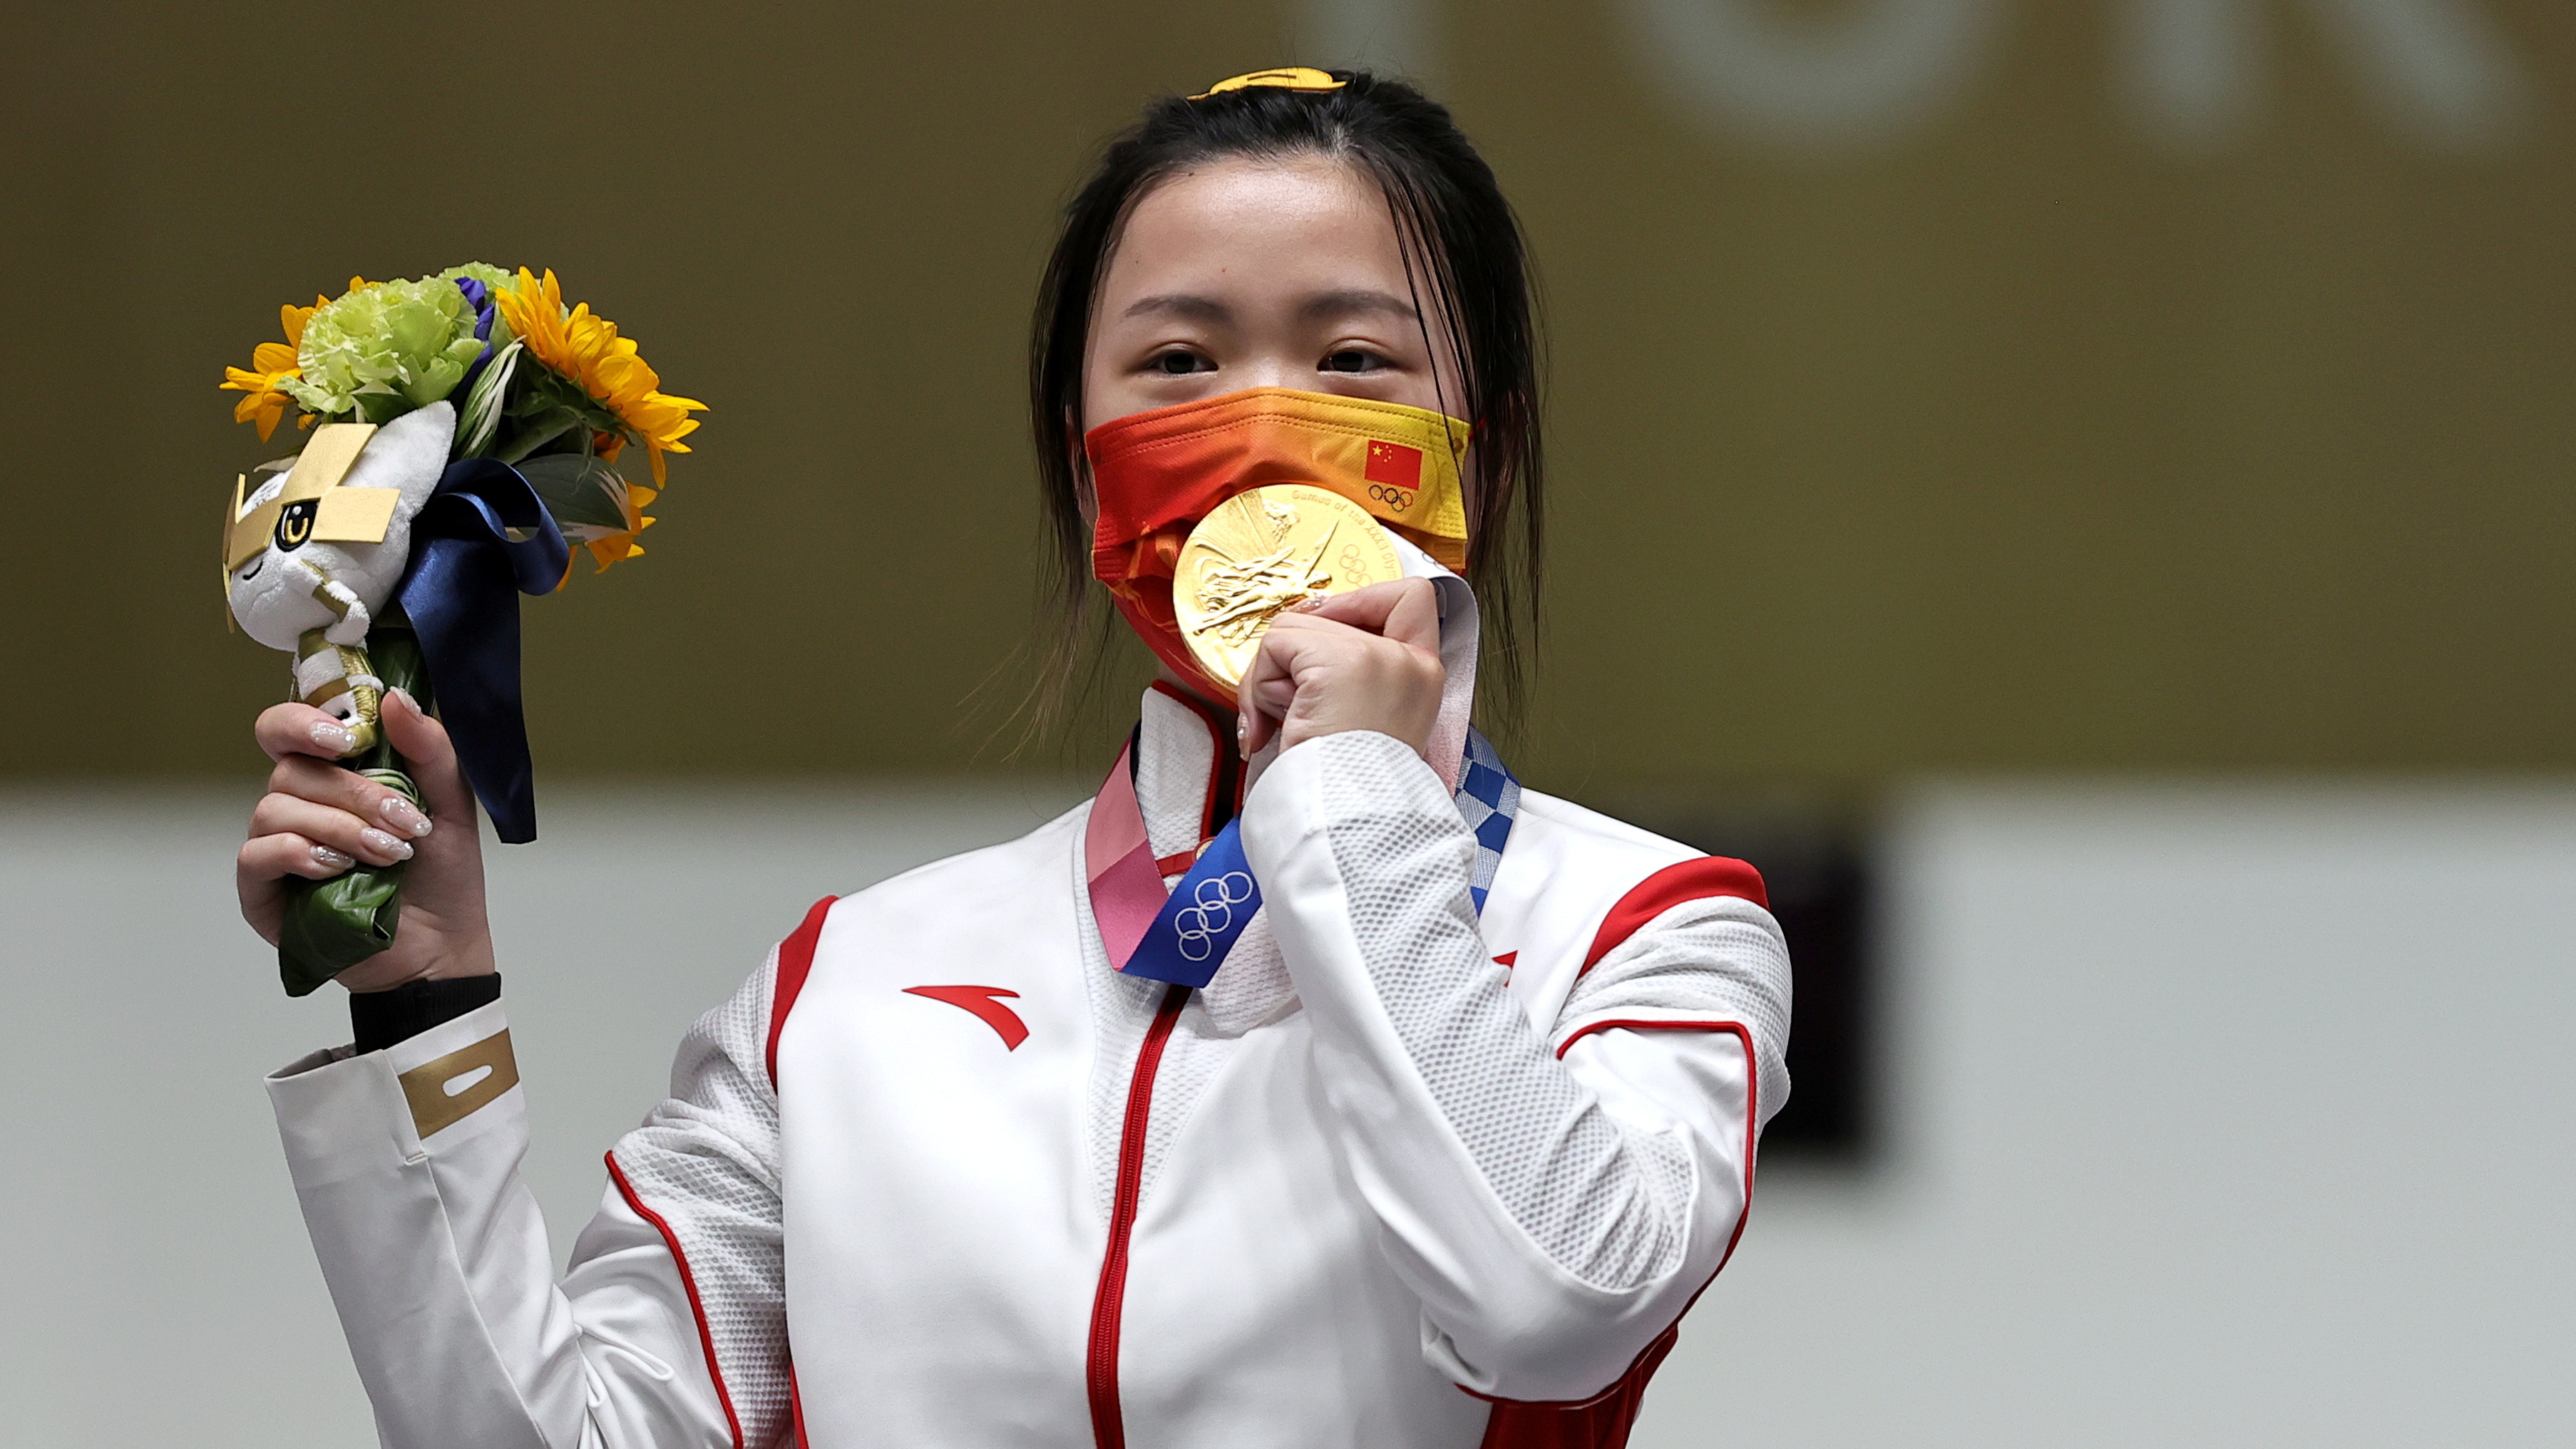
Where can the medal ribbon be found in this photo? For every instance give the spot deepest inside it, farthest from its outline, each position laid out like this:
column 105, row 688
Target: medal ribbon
column 1183, row 936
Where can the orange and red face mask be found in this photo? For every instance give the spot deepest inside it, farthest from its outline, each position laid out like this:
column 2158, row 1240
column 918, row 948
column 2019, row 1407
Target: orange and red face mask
column 1156, row 474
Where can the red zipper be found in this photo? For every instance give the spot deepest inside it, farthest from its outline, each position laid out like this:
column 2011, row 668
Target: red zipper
column 1108, row 1429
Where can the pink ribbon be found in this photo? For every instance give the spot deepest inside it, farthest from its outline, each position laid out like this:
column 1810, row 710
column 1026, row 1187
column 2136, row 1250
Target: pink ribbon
column 1126, row 886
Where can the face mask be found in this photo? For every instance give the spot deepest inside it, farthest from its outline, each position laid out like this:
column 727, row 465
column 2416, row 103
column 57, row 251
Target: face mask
column 1156, row 474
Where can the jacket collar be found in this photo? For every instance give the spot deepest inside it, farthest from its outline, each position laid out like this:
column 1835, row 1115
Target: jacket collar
column 1189, row 781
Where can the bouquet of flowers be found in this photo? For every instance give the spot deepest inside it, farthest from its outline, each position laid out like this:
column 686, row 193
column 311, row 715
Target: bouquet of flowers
column 462, row 437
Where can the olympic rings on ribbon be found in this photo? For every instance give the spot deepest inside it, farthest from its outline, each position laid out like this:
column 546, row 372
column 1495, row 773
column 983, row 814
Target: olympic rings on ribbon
column 1210, row 913
column 1387, row 493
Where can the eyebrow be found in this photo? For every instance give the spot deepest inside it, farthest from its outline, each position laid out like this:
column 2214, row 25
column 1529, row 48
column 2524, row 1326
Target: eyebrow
column 1181, row 304
column 1356, row 299
column 1338, row 303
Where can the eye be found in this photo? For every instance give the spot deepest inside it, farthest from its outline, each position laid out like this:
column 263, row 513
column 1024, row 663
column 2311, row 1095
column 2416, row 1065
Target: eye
column 295, row 524
column 1351, row 359
column 1179, row 362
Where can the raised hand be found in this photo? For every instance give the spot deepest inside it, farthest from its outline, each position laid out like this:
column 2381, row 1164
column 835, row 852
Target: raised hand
column 318, row 819
column 1365, row 660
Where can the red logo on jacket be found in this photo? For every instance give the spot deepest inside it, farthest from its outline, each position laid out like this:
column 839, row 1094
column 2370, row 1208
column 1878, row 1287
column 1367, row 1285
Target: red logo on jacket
column 979, row 1000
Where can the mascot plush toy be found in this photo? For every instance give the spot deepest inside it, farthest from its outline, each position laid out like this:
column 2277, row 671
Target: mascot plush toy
column 314, row 556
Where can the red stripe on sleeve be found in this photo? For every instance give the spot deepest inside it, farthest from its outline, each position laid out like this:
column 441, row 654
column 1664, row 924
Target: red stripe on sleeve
column 1603, row 1421
column 795, row 959
column 688, row 1281
column 1692, row 880
column 1752, row 1102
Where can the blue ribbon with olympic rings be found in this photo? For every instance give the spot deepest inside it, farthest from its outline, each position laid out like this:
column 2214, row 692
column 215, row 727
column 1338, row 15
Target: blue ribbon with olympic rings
column 1208, row 911
column 1202, row 917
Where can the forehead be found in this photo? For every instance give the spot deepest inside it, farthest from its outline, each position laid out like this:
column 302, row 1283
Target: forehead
column 1244, row 227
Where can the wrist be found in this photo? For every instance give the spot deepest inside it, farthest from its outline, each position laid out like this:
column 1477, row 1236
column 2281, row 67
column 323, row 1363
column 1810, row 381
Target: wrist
column 1304, row 732
column 379, row 1019
column 393, row 970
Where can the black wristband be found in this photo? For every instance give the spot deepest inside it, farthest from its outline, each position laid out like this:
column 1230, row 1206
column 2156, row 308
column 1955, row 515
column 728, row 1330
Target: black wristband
column 381, row 1018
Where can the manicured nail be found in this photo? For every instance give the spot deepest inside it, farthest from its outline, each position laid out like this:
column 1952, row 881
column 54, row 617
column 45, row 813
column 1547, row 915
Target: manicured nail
column 403, row 816
column 335, row 738
column 331, row 859
column 383, row 844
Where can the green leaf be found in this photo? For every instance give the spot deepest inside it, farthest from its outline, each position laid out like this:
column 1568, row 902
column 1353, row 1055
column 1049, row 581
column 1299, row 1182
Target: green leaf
column 479, row 419
column 329, row 926
column 382, row 407
column 579, row 491
column 527, row 435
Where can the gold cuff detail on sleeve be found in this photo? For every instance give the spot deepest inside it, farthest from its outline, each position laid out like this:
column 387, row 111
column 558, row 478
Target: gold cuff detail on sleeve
column 454, row 1087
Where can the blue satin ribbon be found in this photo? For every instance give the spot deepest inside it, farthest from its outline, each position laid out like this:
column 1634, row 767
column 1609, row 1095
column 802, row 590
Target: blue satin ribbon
column 482, row 539
column 1209, row 909
column 1202, row 917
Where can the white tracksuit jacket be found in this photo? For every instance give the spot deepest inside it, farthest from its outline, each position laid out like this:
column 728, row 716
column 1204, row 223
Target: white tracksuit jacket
column 937, row 1176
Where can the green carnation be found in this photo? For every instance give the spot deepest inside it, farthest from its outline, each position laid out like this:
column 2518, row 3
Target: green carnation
column 495, row 281
column 484, row 272
column 385, row 350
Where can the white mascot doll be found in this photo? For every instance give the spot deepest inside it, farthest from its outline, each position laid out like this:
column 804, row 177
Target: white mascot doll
column 312, row 556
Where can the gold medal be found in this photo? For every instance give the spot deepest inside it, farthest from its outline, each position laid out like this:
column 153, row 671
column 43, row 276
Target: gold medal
column 1260, row 552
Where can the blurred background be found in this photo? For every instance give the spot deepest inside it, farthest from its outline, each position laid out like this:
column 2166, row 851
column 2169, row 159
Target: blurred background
column 2076, row 490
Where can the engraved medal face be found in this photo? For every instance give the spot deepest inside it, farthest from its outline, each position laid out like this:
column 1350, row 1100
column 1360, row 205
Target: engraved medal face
column 1260, row 552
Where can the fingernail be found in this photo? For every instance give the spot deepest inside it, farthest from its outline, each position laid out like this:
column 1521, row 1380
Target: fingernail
column 332, row 859
column 334, row 738
column 405, row 696
column 383, row 844
column 403, row 816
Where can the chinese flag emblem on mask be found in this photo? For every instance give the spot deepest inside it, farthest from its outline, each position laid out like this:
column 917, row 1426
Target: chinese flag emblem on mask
column 1394, row 463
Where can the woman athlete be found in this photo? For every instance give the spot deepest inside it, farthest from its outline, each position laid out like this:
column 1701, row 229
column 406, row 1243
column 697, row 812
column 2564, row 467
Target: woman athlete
column 1460, row 1124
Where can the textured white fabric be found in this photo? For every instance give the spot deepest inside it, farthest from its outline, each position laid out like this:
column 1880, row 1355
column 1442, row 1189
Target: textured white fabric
column 1175, row 755
column 1608, row 1206
column 1719, row 958
column 706, row 1161
column 1553, row 1216
column 1121, row 1008
column 1252, row 990
column 1191, row 1061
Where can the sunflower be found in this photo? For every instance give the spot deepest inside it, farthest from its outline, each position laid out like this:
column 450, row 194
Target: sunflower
column 616, row 546
column 587, row 349
column 271, row 363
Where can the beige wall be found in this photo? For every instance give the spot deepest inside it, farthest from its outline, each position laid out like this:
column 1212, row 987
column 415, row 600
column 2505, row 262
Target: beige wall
column 1953, row 405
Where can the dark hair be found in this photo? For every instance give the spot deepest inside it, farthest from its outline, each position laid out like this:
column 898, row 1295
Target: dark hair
column 1452, row 219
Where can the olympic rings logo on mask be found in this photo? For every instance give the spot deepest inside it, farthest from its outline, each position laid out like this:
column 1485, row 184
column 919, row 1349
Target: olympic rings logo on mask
column 1387, row 493
column 1210, row 913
